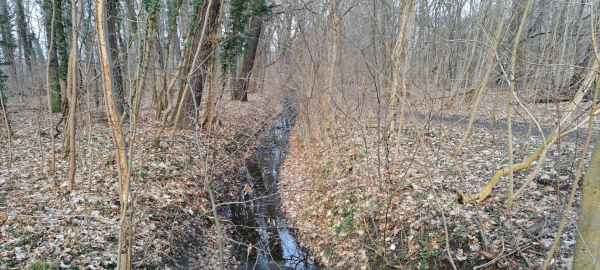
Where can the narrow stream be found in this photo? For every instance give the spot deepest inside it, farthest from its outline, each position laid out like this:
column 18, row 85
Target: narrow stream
column 259, row 224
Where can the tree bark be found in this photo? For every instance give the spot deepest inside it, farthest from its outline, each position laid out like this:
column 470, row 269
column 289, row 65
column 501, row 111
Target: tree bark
column 111, row 10
column 120, row 143
column 240, row 91
column 396, row 78
column 202, row 46
column 22, row 32
column 511, row 81
column 72, row 83
column 588, row 252
column 49, row 19
column 8, row 52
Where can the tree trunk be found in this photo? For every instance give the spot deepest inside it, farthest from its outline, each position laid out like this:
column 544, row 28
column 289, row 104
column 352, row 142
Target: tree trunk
column 8, row 52
column 202, row 47
column 483, row 81
column 4, row 115
column 72, row 82
column 22, row 32
column 49, row 19
column 587, row 253
column 111, row 10
column 396, row 79
column 60, row 41
column 120, row 143
column 511, row 81
column 240, row 91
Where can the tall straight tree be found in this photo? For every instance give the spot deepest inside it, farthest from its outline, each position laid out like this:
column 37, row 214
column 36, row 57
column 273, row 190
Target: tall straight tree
column 199, row 30
column 62, row 46
column 256, row 11
column 201, row 48
column 72, row 84
column 120, row 143
column 111, row 9
column 243, row 78
column 49, row 18
column 24, row 37
column 6, row 38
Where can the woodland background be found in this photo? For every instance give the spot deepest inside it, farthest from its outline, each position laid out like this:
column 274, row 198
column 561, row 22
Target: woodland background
column 430, row 134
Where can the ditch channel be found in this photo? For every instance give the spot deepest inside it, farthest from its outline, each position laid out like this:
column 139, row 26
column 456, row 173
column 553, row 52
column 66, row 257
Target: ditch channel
column 264, row 239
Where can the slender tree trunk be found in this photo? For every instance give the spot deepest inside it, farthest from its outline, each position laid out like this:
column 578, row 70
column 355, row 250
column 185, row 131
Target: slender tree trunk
column 511, row 92
column 72, row 84
column 119, row 140
column 49, row 90
column 483, row 81
column 164, row 96
column 331, row 59
column 6, row 125
column 393, row 101
column 402, row 86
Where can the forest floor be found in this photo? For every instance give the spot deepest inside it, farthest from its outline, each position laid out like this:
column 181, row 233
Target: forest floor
column 339, row 194
column 350, row 211
column 43, row 226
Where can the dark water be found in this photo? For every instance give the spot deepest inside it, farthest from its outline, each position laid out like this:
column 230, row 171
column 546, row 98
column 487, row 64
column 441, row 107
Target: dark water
column 258, row 222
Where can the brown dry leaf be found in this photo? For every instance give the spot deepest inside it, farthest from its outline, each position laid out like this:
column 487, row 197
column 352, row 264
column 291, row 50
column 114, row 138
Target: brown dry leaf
column 247, row 189
column 487, row 254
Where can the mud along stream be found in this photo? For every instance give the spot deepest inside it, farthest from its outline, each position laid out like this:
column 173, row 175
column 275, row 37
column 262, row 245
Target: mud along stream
column 265, row 240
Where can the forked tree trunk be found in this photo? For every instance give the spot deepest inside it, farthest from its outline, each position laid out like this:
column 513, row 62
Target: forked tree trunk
column 209, row 19
column 542, row 149
column 402, row 87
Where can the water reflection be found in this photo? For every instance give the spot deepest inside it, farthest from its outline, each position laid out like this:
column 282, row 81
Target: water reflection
column 268, row 243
